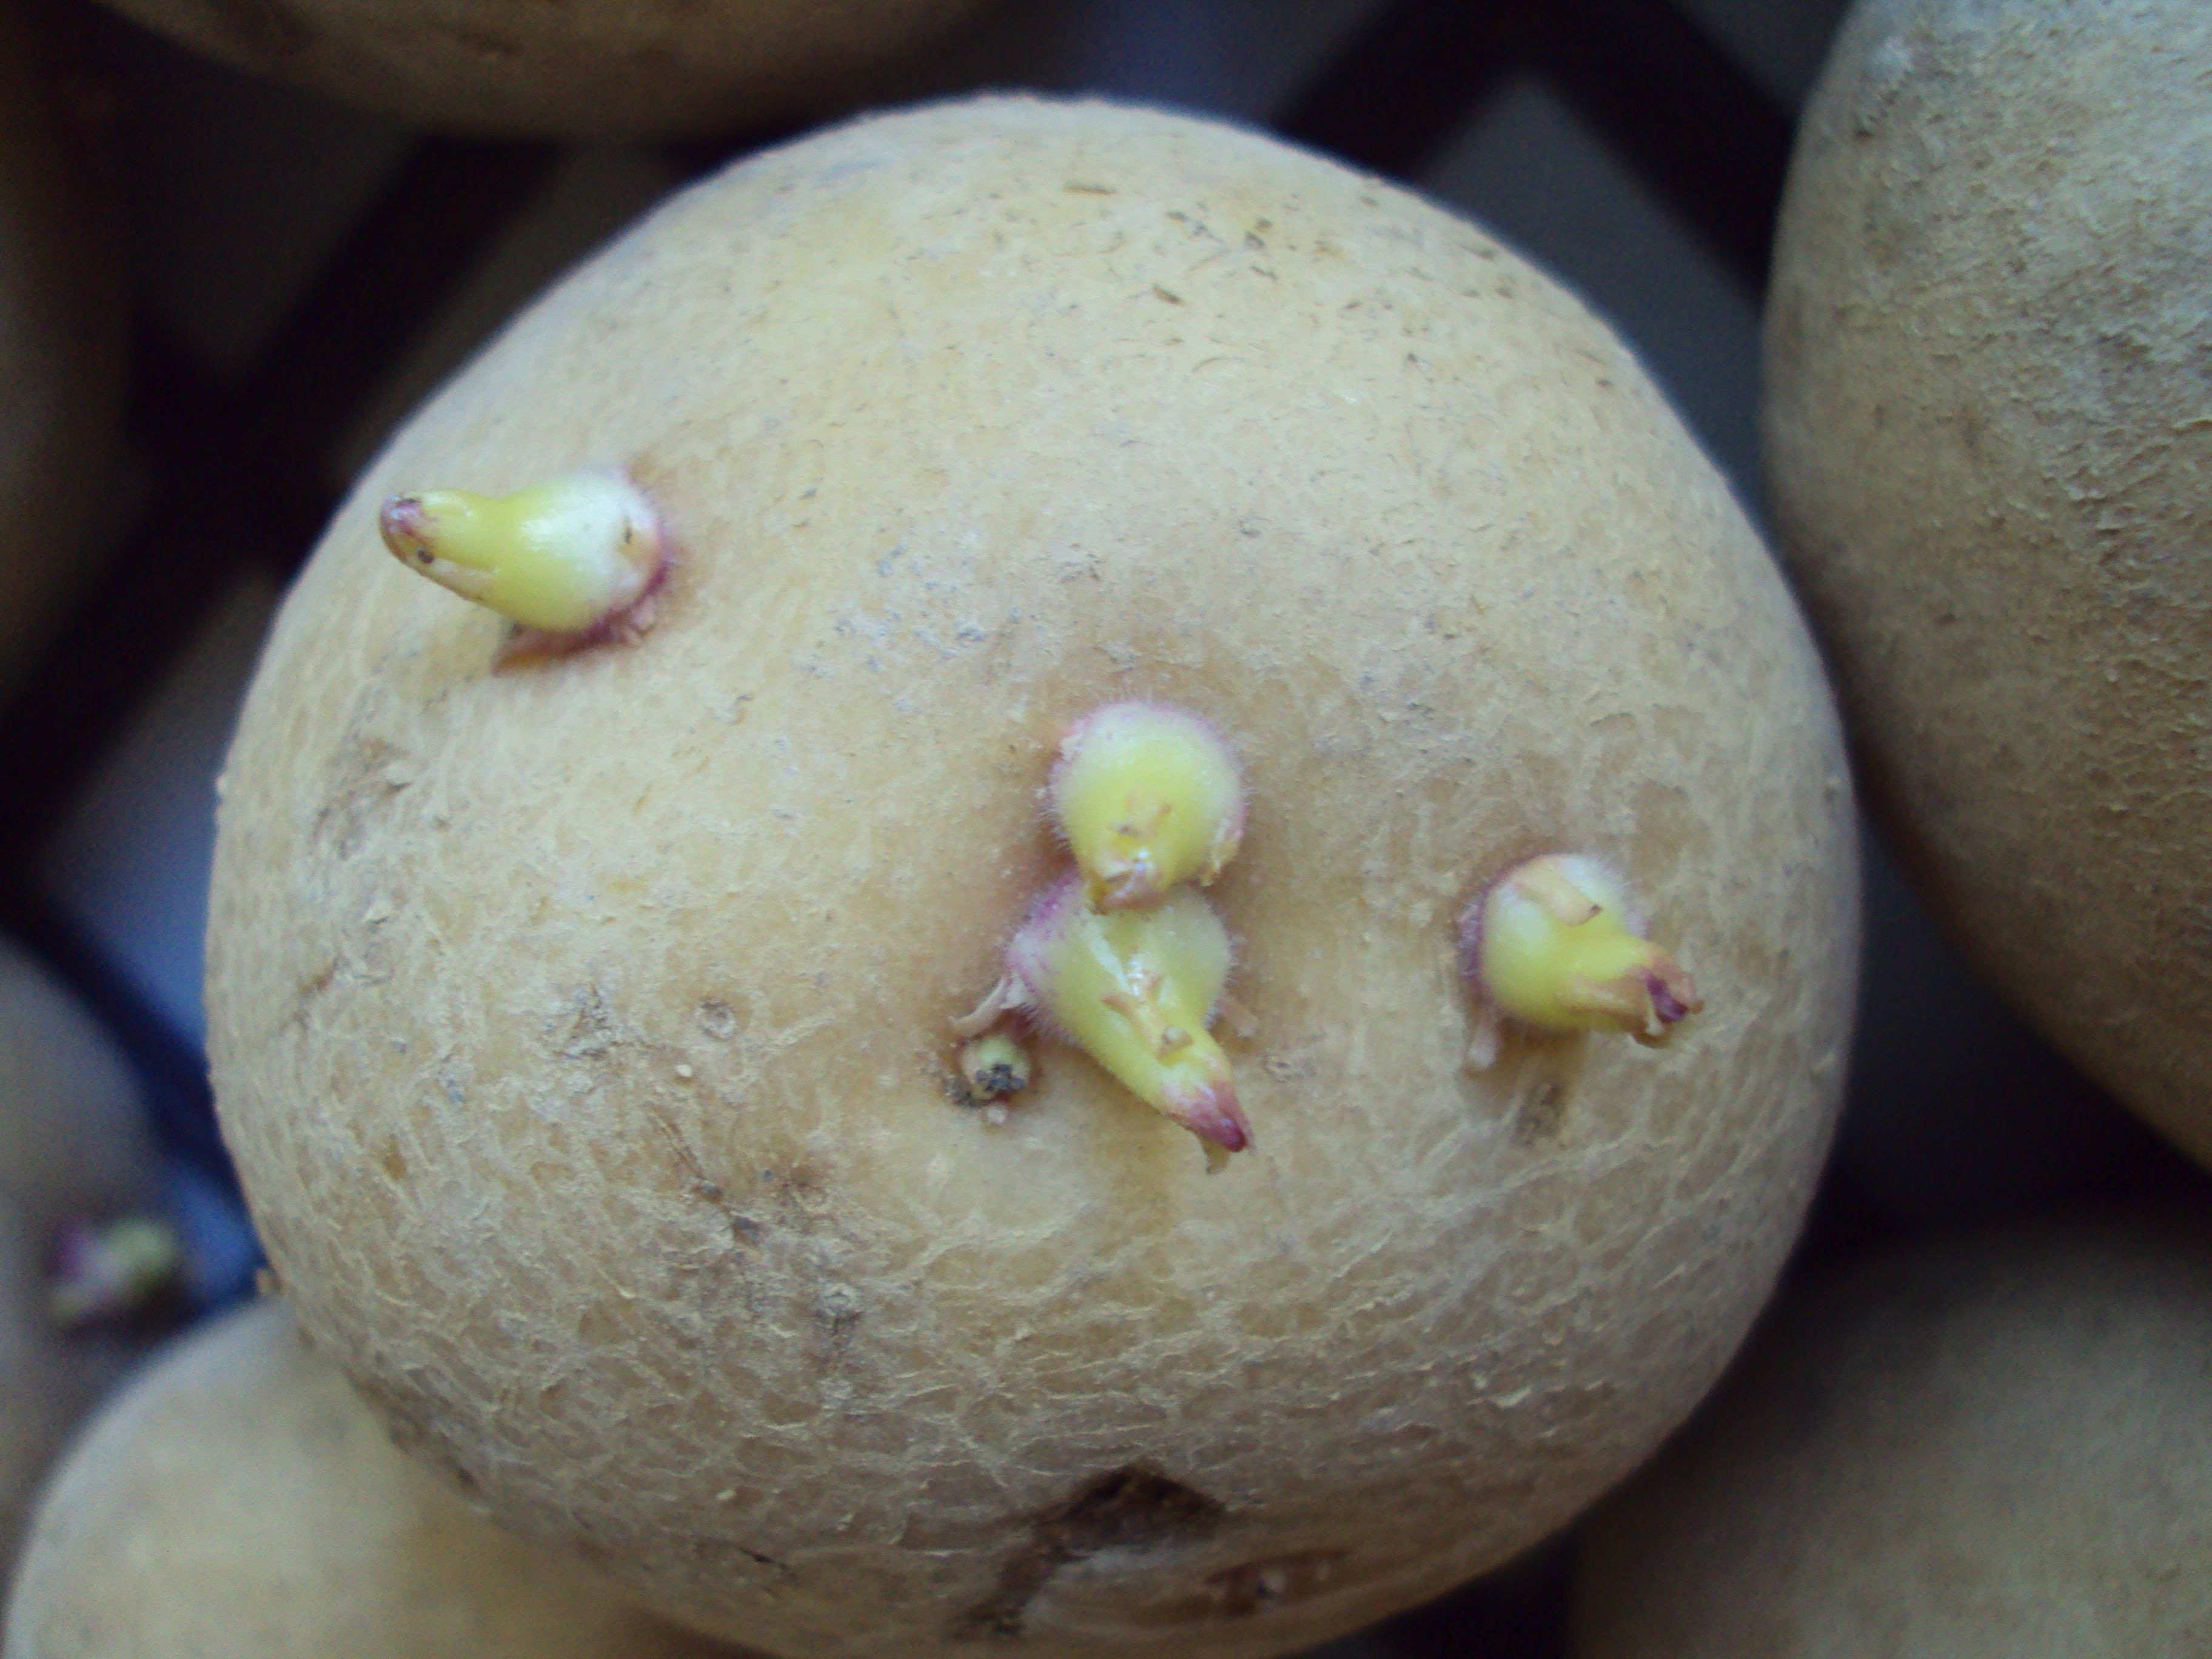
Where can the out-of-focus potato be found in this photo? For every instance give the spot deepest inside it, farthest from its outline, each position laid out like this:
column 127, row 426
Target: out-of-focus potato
column 580, row 69
column 61, row 350
column 237, row 1499
column 74, row 1143
column 46, row 1383
column 1989, row 1449
column 1989, row 422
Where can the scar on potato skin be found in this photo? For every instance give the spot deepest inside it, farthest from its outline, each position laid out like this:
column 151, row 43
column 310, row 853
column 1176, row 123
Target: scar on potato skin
column 1134, row 1507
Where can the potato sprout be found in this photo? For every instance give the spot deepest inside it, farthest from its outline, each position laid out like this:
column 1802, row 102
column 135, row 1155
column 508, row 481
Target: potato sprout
column 1553, row 945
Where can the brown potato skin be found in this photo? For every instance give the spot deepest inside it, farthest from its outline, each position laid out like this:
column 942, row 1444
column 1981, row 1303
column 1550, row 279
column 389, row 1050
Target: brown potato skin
column 1990, row 1447
column 238, row 1499
column 580, row 69
column 62, row 323
column 1988, row 426
column 583, row 1031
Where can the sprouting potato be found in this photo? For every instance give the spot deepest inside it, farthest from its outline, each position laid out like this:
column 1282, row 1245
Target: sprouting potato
column 589, row 1028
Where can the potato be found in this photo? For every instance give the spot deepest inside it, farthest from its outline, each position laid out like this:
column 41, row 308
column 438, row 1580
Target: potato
column 1997, row 1446
column 61, row 338
column 596, row 68
column 47, row 1382
column 74, row 1143
column 73, row 1146
column 238, row 1499
column 583, row 1026
column 1989, row 421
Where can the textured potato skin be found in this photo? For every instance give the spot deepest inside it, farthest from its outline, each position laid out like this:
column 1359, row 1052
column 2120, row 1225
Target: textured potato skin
column 595, row 68
column 582, row 1031
column 1989, row 423
column 61, row 350
column 238, row 1499
column 1995, row 1446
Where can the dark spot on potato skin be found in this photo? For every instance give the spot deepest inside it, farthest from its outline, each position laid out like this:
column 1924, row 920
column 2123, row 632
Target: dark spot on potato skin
column 801, row 1191
column 1535, row 1079
column 1542, row 1110
column 1132, row 1507
column 594, row 1554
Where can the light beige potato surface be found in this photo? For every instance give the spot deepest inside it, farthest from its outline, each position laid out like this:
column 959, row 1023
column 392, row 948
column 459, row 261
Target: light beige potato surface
column 583, row 1031
column 74, row 1143
column 61, row 336
column 577, row 68
column 238, row 1500
column 1990, row 1448
column 1989, row 423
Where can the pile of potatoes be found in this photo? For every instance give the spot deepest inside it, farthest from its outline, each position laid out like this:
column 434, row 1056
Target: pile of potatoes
column 596, row 970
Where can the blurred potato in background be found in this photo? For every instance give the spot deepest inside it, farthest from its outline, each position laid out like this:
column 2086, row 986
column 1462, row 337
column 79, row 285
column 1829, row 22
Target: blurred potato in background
column 1985, row 1447
column 596, row 68
column 62, row 327
column 238, row 1500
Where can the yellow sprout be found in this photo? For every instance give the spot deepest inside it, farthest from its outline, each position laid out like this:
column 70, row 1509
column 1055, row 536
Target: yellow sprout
column 565, row 558
column 1553, row 944
column 1136, row 990
column 1148, row 797
column 111, row 1271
